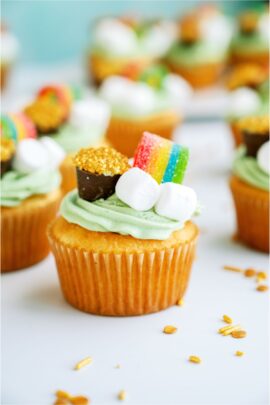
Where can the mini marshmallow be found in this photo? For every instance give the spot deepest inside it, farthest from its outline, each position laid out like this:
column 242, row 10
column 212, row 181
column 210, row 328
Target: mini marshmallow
column 178, row 89
column 90, row 112
column 263, row 157
column 158, row 39
column 30, row 155
column 55, row 151
column 176, row 202
column 137, row 189
column 243, row 101
column 115, row 89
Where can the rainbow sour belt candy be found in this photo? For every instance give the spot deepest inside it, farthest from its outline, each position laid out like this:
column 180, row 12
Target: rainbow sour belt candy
column 17, row 127
column 163, row 159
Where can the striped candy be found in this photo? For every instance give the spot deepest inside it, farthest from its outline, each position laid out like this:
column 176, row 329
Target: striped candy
column 163, row 159
column 17, row 127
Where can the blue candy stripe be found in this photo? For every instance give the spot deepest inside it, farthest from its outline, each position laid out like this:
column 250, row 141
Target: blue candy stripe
column 174, row 157
column 9, row 128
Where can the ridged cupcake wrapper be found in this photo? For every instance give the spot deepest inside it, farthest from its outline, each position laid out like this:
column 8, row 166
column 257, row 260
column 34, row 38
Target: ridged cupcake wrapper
column 123, row 284
column 125, row 135
column 24, row 240
column 252, row 213
column 237, row 135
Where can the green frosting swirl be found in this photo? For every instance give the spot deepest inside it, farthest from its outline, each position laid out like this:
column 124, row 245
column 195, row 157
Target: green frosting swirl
column 248, row 170
column 196, row 54
column 16, row 187
column 72, row 139
column 112, row 215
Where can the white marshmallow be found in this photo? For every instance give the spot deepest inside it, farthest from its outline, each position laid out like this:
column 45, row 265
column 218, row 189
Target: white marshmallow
column 30, row 155
column 55, row 151
column 263, row 157
column 243, row 101
column 176, row 202
column 115, row 89
column 137, row 189
column 115, row 37
column 178, row 89
column 90, row 112
column 158, row 39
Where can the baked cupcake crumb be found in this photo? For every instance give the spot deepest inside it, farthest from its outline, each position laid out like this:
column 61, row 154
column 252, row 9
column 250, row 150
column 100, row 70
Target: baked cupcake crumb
column 103, row 160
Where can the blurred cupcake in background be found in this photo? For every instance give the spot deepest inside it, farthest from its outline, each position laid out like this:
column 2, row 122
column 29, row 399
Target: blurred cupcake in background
column 30, row 197
column 201, row 51
column 250, row 183
column 155, row 101
column 120, row 44
column 8, row 53
column 73, row 122
column 250, row 42
column 249, row 94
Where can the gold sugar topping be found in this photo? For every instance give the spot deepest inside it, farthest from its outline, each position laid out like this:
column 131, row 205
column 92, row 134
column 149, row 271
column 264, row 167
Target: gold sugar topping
column 7, row 149
column 258, row 125
column 248, row 21
column 46, row 115
column 247, row 74
column 190, row 28
column 103, row 160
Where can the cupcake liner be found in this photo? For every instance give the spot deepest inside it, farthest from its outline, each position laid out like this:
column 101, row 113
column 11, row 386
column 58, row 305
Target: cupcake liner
column 123, row 284
column 100, row 68
column 257, row 58
column 252, row 212
column 236, row 133
column 199, row 76
column 23, row 231
column 124, row 135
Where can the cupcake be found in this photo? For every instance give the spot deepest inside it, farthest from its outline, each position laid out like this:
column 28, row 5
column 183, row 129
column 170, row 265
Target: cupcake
column 250, row 42
column 154, row 101
column 72, row 123
column 121, row 44
column 248, row 87
column 8, row 53
column 124, row 243
column 30, row 197
column 200, row 53
column 250, row 183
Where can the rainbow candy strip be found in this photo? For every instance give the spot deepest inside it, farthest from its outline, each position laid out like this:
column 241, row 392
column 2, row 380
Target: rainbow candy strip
column 17, row 127
column 163, row 159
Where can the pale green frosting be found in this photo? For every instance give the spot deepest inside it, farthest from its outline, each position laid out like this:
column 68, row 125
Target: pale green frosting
column 248, row 44
column 112, row 215
column 72, row 139
column 248, row 170
column 197, row 54
column 16, row 187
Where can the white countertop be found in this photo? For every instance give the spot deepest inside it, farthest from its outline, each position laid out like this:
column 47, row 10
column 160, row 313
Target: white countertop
column 43, row 337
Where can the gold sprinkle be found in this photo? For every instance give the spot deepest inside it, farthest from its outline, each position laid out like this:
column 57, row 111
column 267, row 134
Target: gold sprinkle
column 46, row 114
column 7, row 149
column 195, row 359
column 122, row 395
column 227, row 330
column 262, row 288
column 103, row 160
column 239, row 334
column 83, row 363
column 227, row 319
column 180, row 302
column 60, row 401
column 254, row 125
column 169, row 329
column 250, row 273
column 262, row 275
column 79, row 400
column 62, row 394
column 238, row 353
column 233, row 268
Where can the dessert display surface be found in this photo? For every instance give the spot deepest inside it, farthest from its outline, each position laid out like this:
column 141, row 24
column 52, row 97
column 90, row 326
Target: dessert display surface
column 190, row 363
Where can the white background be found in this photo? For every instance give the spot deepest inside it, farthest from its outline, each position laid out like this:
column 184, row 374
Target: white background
column 43, row 337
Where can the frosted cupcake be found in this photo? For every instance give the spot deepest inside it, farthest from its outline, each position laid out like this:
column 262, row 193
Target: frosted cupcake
column 201, row 51
column 250, row 183
column 121, row 45
column 84, row 124
column 250, row 42
column 154, row 101
column 124, row 244
column 8, row 53
column 30, row 197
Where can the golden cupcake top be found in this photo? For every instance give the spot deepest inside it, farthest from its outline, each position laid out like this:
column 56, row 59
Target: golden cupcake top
column 7, row 149
column 46, row 115
column 104, row 160
column 249, row 75
column 248, row 22
column 258, row 125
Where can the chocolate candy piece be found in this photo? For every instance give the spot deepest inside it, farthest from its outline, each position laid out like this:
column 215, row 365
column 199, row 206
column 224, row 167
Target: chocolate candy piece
column 92, row 186
column 5, row 166
column 255, row 131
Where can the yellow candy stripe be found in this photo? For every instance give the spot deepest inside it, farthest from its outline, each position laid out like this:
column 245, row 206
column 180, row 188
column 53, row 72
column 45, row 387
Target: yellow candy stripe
column 162, row 161
column 21, row 131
